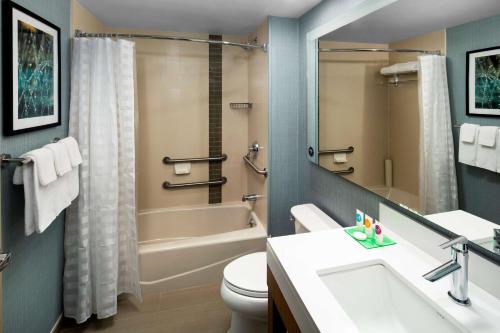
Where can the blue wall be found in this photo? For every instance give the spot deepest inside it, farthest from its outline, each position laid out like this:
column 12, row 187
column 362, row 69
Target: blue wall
column 32, row 284
column 479, row 189
column 283, row 122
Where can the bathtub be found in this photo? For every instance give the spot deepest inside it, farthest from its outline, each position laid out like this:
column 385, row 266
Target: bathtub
column 190, row 246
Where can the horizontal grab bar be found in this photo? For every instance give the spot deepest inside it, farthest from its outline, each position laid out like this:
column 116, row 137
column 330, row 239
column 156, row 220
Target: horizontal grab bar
column 344, row 172
column 254, row 167
column 168, row 160
column 335, row 151
column 168, row 186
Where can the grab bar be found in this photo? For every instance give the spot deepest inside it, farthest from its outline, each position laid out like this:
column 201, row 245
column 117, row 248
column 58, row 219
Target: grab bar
column 168, row 160
column 344, row 172
column 335, row 151
column 169, row 186
column 254, row 167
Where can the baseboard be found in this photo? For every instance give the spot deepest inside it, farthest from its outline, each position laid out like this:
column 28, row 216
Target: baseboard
column 57, row 325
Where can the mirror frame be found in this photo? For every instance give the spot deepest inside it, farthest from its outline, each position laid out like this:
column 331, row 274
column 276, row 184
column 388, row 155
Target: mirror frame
column 312, row 41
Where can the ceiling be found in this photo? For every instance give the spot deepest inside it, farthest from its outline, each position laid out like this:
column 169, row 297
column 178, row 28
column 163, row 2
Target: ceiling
column 236, row 17
column 409, row 18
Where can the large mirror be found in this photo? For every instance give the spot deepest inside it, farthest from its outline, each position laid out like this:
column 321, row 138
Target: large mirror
column 388, row 102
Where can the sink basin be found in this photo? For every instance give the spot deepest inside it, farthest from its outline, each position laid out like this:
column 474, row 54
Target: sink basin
column 376, row 299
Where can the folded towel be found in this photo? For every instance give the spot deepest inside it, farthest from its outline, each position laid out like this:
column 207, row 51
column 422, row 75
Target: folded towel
column 400, row 68
column 468, row 132
column 467, row 146
column 487, row 136
column 486, row 158
column 42, row 204
column 73, row 150
column 43, row 159
column 61, row 158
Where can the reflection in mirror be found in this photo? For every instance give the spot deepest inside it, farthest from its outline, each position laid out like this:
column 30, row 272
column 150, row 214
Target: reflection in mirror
column 384, row 118
column 369, row 100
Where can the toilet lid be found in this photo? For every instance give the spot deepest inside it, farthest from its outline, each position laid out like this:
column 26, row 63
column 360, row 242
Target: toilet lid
column 247, row 275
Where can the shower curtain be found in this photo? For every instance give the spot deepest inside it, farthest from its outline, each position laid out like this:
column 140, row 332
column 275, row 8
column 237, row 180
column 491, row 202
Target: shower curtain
column 101, row 239
column 438, row 181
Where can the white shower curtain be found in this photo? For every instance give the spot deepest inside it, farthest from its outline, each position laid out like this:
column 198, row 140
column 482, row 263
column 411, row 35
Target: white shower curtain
column 438, row 182
column 100, row 238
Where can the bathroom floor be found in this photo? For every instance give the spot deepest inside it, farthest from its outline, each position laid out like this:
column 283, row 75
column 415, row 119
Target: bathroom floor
column 199, row 309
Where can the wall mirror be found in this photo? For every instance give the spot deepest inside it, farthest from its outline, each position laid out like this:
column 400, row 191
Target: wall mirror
column 378, row 108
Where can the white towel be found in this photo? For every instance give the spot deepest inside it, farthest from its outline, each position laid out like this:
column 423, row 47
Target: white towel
column 467, row 146
column 498, row 151
column 61, row 158
column 400, row 68
column 487, row 136
column 486, row 153
column 42, row 204
column 43, row 159
column 468, row 132
column 73, row 150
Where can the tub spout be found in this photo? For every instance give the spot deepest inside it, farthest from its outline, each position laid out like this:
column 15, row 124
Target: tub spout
column 249, row 197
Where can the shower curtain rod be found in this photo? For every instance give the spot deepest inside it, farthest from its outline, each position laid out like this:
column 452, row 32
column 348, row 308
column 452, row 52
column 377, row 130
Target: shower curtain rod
column 380, row 50
column 246, row 46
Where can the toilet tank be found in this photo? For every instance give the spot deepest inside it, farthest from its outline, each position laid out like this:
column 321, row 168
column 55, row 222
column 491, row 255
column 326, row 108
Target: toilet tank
column 309, row 218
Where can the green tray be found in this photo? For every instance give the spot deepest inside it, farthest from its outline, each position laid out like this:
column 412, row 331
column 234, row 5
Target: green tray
column 369, row 243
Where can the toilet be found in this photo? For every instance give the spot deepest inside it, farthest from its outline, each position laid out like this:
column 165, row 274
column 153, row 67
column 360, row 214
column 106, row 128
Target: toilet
column 244, row 286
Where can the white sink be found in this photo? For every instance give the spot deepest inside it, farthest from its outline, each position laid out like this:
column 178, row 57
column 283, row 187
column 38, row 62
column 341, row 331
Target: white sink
column 377, row 299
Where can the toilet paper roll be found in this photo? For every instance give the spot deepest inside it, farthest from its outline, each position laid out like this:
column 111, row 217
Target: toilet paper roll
column 339, row 158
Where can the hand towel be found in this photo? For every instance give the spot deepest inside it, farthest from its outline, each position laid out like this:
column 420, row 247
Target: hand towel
column 467, row 146
column 73, row 150
column 486, row 153
column 61, row 158
column 487, row 136
column 468, row 132
column 182, row 168
column 42, row 204
column 43, row 159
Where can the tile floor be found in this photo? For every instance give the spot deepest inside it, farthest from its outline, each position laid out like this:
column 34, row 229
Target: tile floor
column 199, row 309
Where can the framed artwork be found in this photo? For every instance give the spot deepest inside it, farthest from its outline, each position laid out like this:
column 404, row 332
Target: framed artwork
column 483, row 82
column 32, row 69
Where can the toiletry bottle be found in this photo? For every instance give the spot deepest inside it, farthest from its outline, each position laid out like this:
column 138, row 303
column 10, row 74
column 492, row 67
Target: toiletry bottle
column 360, row 217
column 368, row 226
column 379, row 237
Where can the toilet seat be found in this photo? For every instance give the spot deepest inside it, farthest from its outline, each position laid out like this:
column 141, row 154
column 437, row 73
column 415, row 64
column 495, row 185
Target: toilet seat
column 247, row 275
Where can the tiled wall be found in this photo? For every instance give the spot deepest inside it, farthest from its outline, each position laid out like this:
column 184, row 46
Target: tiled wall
column 215, row 118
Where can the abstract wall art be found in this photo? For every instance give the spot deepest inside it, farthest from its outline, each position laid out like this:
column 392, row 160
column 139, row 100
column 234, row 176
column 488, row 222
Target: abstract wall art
column 483, row 82
column 32, row 65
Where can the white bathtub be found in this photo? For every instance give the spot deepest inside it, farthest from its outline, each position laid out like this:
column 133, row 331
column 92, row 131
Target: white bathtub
column 190, row 246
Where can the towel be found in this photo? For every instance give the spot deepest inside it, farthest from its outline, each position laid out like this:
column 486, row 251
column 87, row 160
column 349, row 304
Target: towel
column 467, row 146
column 498, row 150
column 468, row 132
column 73, row 150
column 43, row 159
column 487, row 136
column 400, row 68
column 42, row 204
column 486, row 153
column 61, row 158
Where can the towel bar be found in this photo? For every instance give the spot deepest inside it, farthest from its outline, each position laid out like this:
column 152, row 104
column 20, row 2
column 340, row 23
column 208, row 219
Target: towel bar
column 169, row 186
column 168, row 160
column 7, row 158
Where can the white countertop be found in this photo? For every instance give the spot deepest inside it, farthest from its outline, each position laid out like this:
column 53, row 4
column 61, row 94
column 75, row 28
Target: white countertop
column 473, row 227
column 295, row 261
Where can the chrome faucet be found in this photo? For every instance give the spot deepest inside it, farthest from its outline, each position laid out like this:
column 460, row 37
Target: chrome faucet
column 250, row 197
column 458, row 267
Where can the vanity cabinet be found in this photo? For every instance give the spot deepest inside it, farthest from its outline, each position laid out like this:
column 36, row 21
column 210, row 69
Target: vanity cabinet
column 280, row 318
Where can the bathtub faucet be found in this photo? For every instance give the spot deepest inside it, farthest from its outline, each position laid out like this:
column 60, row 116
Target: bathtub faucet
column 250, row 197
